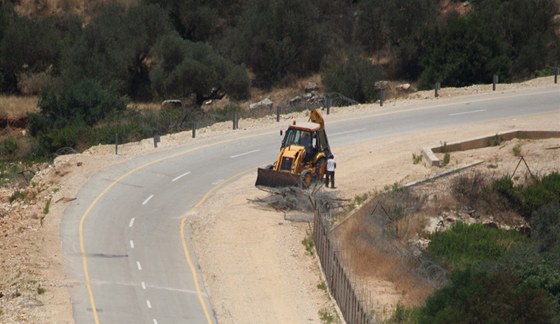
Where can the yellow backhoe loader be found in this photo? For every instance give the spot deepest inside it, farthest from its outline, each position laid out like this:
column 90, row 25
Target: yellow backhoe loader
column 303, row 156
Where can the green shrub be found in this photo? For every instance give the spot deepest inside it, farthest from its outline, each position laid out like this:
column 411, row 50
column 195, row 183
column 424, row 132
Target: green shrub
column 9, row 148
column 443, row 147
column 464, row 245
column 47, row 207
column 516, row 150
column 545, row 224
column 74, row 136
column 326, row 316
column 416, row 158
column 188, row 69
column 354, row 78
column 495, row 141
column 322, row 286
column 446, row 158
column 116, row 46
column 523, row 199
column 18, row 195
column 14, row 172
column 541, row 192
column 404, row 315
column 278, row 39
column 479, row 297
column 36, row 123
column 502, row 194
column 38, row 44
column 41, row 290
column 84, row 103
column 359, row 199
column 308, row 244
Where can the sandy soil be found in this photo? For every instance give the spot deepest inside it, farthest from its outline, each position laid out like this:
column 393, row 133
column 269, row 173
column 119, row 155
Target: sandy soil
column 239, row 243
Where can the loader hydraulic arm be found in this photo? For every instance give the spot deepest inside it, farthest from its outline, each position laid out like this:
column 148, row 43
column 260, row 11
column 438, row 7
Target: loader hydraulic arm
column 316, row 117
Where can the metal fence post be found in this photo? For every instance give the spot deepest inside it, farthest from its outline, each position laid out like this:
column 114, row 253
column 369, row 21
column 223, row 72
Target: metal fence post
column 382, row 97
column 194, row 129
column 156, row 139
column 437, row 87
column 494, row 81
column 556, row 73
column 328, row 106
column 117, row 144
column 278, row 114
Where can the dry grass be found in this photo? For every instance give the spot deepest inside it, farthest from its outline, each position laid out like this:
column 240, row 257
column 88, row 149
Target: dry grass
column 14, row 107
column 407, row 228
column 85, row 8
column 365, row 247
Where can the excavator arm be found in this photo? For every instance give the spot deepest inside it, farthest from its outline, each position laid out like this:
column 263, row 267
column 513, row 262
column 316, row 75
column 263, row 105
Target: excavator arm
column 316, row 117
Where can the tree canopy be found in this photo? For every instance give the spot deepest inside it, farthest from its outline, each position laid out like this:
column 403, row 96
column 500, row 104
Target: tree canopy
column 275, row 42
column 184, row 68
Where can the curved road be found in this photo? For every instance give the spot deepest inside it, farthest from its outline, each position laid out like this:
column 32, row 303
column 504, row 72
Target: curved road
column 125, row 240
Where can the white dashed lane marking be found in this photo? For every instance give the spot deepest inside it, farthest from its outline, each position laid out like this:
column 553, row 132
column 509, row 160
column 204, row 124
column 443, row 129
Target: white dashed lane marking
column 148, row 199
column 131, row 222
column 241, row 154
column 468, row 112
column 138, row 265
column 348, row 132
column 131, row 244
column 180, row 176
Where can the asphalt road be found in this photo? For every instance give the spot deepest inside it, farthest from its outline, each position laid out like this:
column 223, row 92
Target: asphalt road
column 125, row 241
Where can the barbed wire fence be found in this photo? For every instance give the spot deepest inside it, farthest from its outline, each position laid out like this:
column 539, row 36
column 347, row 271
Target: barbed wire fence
column 376, row 219
column 193, row 117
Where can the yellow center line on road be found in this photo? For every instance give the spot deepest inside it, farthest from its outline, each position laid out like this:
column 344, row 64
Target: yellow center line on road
column 185, row 248
column 109, row 187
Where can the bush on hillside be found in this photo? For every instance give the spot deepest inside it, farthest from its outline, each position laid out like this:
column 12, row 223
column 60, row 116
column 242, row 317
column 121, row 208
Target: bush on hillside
column 466, row 245
column 473, row 296
column 37, row 44
column 526, row 199
column 197, row 20
column 449, row 61
column 84, row 103
column 513, row 39
column 279, row 38
column 355, row 78
column 115, row 48
column 545, row 224
column 185, row 68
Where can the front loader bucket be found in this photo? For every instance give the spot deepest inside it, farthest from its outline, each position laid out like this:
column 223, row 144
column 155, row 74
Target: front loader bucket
column 272, row 178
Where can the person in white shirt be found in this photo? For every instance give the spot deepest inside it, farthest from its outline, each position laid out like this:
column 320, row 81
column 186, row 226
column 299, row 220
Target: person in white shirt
column 331, row 166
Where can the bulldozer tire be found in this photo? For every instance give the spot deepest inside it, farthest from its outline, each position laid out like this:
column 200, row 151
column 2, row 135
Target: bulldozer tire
column 320, row 168
column 306, row 178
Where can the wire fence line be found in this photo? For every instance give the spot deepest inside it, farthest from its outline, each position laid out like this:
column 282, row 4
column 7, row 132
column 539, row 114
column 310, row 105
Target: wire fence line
column 354, row 309
column 374, row 225
column 193, row 118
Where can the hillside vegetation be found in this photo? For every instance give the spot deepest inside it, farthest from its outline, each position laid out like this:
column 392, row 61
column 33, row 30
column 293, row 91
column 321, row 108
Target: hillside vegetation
column 86, row 60
column 153, row 49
